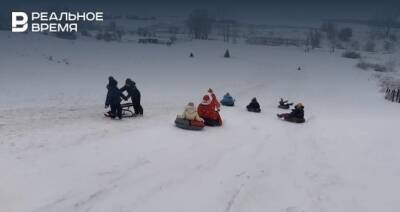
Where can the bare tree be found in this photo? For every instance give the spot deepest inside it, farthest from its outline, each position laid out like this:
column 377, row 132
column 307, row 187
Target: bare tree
column 385, row 21
column 314, row 38
column 345, row 34
column 370, row 46
column 331, row 31
column 227, row 32
column 228, row 28
column 199, row 24
column 235, row 34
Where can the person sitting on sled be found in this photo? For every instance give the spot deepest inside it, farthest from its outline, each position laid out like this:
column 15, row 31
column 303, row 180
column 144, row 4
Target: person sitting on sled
column 227, row 100
column 284, row 104
column 297, row 114
column 254, row 106
column 209, row 108
column 134, row 94
column 190, row 113
column 113, row 99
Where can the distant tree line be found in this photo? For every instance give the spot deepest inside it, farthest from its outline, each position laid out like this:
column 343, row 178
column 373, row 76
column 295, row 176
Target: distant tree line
column 199, row 24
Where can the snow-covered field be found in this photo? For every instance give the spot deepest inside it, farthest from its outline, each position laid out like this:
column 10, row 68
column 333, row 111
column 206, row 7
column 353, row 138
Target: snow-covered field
column 58, row 152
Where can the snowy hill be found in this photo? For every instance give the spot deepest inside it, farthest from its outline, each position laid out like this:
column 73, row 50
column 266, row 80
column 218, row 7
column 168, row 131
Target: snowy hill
column 58, row 152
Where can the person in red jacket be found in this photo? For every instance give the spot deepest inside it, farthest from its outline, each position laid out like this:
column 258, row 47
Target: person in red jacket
column 209, row 110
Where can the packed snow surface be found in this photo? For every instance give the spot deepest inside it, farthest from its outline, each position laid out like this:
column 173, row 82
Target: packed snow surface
column 58, row 152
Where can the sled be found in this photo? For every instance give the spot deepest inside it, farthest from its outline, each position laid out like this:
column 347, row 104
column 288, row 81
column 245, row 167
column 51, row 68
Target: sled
column 188, row 125
column 283, row 104
column 254, row 110
column 228, row 103
column 212, row 122
column 126, row 112
column 292, row 119
column 285, row 107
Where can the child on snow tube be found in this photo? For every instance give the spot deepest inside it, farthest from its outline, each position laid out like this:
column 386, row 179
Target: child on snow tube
column 228, row 100
column 254, row 106
column 296, row 116
column 190, row 119
column 209, row 108
column 283, row 104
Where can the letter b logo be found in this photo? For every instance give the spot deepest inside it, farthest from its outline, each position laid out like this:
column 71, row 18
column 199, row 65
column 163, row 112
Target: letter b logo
column 19, row 22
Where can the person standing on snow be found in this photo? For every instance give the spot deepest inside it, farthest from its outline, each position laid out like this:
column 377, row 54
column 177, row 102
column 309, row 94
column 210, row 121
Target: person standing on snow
column 113, row 99
column 209, row 108
column 134, row 94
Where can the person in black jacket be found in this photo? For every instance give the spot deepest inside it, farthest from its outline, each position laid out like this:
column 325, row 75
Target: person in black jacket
column 297, row 114
column 113, row 99
column 134, row 94
column 254, row 106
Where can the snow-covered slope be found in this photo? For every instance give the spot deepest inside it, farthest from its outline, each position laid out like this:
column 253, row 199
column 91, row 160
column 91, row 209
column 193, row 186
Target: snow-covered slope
column 58, row 152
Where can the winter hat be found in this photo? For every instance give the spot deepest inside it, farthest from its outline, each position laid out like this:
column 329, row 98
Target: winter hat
column 206, row 100
column 299, row 105
column 190, row 104
column 112, row 81
column 254, row 99
column 128, row 81
column 210, row 90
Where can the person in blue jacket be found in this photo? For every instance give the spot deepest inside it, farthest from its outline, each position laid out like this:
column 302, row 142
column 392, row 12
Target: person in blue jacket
column 228, row 100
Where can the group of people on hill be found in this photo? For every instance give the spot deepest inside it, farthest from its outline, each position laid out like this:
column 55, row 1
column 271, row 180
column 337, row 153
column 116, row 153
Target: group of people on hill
column 208, row 110
column 115, row 96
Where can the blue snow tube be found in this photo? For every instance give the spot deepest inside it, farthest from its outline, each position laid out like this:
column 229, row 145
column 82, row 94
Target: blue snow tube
column 228, row 101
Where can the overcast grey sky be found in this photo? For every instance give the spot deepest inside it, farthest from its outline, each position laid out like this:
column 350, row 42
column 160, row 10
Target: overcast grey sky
column 253, row 10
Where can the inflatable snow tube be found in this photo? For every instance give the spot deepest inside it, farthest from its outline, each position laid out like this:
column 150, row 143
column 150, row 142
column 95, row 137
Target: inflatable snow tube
column 294, row 120
column 284, row 107
column 188, row 125
column 212, row 122
column 254, row 110
column 228, row 103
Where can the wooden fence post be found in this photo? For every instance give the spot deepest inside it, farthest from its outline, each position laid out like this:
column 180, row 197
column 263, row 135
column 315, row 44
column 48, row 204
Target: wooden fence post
column 393, row 94
column 387, row 93
column 398, row 95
